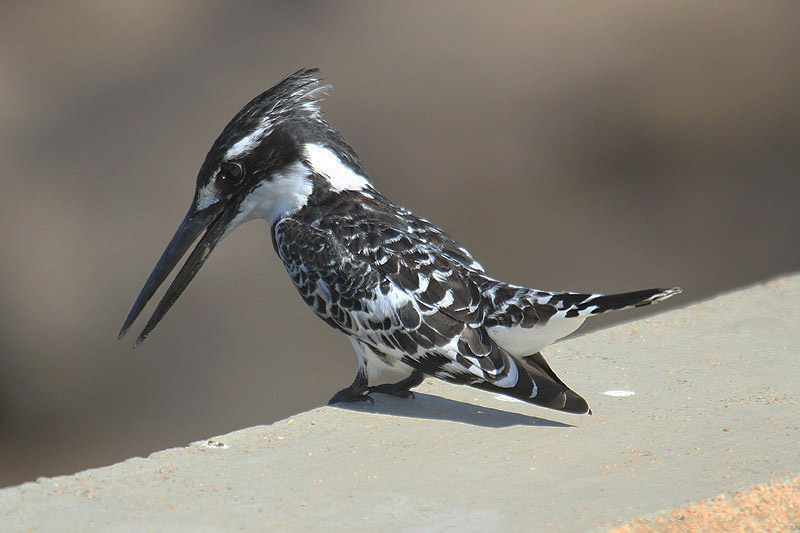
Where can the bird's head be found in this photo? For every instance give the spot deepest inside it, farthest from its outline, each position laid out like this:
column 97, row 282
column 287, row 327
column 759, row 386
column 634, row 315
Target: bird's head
column 267, row 162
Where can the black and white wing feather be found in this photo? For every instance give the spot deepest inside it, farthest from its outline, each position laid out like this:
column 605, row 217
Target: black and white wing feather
column 400, row 295
column 407, row 290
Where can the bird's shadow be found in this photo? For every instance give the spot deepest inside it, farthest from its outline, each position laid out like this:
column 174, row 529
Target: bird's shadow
column 437, row 408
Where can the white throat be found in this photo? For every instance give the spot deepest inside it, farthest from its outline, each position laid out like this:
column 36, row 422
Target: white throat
column 285, row 193
column 289, row 190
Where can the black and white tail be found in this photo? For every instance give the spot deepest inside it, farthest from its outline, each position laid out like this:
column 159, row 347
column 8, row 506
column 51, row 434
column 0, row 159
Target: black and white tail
column 539, row 385
column 572, row 304
column 553, row 316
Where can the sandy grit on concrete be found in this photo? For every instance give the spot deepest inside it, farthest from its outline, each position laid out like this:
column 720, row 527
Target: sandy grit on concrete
column 707, row 402
column 774, row 507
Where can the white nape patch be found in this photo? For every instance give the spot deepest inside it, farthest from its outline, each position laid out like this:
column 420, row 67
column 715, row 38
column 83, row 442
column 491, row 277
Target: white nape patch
column 286, row 192
column 207, row 195
column 519, row 341
column 619, row 393
column 250, row 141
column 326, row 163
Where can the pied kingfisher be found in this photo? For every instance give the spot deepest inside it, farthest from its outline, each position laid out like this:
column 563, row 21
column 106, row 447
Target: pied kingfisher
column 412, row 301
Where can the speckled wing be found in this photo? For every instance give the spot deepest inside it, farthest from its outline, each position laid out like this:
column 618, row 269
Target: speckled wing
column 331, row 280
column 406, row 298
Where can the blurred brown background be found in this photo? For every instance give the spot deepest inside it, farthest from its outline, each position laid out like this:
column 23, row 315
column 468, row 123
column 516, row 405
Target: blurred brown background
column 585, row 146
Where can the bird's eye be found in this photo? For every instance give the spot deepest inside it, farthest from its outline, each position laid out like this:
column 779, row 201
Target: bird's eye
column 230, row 173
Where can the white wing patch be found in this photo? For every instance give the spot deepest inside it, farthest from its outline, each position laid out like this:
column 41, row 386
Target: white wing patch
column 340, row 176
column 520, row 342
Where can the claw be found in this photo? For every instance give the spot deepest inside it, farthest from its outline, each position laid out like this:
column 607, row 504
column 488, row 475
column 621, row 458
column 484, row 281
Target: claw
column 357, row 392
column 348, row 395
column 401, row 389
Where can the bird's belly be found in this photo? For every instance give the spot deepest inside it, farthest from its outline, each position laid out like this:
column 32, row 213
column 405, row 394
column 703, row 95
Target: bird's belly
column 381, row 368
column 380, row 373
column 520, row 342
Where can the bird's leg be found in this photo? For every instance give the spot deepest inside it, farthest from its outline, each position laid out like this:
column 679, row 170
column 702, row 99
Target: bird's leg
column 401, row 389
column 357, row 392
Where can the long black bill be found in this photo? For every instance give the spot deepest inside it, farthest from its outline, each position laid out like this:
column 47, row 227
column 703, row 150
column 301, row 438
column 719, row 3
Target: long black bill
column 216, row 220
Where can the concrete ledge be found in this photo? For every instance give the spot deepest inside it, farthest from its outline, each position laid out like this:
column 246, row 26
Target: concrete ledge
column 715, row 408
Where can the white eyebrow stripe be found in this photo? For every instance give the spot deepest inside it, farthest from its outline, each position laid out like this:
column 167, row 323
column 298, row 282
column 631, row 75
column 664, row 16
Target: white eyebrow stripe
column 325, row 162
column 249, row 141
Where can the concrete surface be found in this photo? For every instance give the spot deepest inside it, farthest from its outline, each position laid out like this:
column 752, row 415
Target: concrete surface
column 715, row 408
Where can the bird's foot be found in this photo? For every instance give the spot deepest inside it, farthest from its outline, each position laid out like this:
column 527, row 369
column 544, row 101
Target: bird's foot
column 392, row 389
column 358, row 391
column 351, row 395
column 401, row 389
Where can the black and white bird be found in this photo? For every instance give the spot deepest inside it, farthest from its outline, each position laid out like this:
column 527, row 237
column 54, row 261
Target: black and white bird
column 412, row 301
